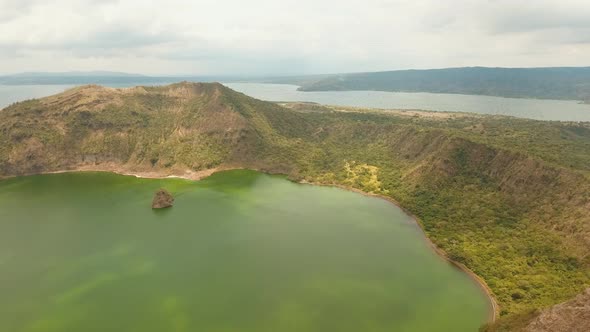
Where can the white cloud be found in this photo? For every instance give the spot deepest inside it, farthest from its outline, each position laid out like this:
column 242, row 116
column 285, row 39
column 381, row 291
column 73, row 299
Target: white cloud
column 289, row 37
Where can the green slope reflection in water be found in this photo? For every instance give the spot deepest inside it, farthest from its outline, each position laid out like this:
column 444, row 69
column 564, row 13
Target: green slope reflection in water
column 239, row 251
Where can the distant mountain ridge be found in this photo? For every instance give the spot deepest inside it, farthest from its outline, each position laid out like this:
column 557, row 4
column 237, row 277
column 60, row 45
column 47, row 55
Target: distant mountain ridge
column 98, row 77
column 566, row 83
column 545, row 83
column 74, row 73
column 74, row 78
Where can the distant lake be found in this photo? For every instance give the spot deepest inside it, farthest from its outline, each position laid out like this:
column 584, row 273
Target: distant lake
column 239, row 251
column 12, row 93
column 539, row 109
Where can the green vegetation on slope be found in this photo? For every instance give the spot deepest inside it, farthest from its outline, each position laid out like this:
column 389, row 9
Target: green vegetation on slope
column 545, row 83
column 509, row 198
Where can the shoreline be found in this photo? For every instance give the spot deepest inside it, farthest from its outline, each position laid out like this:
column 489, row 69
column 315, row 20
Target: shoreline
column 186, row 175
column 495, row 308
column 199, row 175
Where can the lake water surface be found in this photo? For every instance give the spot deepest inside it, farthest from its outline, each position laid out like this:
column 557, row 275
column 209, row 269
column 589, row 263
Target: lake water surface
column 12, row 93
column 239, row 251
column 539, row 109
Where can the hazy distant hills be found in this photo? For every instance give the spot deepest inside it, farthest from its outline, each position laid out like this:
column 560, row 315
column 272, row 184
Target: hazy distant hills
column 97, row 77
column 98, row 73
column 546, row 83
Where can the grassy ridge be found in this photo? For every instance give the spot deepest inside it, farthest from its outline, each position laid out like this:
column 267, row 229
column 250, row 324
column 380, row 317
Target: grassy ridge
column 509, row 198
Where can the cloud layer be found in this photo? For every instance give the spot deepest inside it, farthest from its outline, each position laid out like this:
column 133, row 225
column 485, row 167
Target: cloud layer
column 263, row 37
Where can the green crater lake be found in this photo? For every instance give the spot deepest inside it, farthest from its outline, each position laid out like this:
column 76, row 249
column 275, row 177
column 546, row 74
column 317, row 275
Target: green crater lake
column 239, row 251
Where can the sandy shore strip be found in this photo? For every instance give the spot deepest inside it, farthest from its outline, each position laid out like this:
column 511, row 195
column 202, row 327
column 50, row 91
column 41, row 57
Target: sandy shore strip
column 148, row 174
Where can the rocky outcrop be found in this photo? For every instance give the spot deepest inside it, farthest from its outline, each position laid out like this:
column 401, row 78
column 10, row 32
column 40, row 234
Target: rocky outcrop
column 570, row 316
column 162, row 199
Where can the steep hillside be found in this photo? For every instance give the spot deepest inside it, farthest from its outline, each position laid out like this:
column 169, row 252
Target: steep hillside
column 508, row 198
column 573, row 315
column 569, row 316
column 178, row 127
column 545, row 83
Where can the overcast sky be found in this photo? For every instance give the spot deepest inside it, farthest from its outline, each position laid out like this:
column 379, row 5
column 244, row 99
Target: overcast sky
column 262, row 37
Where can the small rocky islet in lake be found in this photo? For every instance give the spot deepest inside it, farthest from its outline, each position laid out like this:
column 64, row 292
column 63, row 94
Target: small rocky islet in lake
column 162, row 199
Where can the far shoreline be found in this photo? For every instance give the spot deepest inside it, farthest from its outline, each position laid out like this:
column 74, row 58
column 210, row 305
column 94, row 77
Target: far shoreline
column 200, row 175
